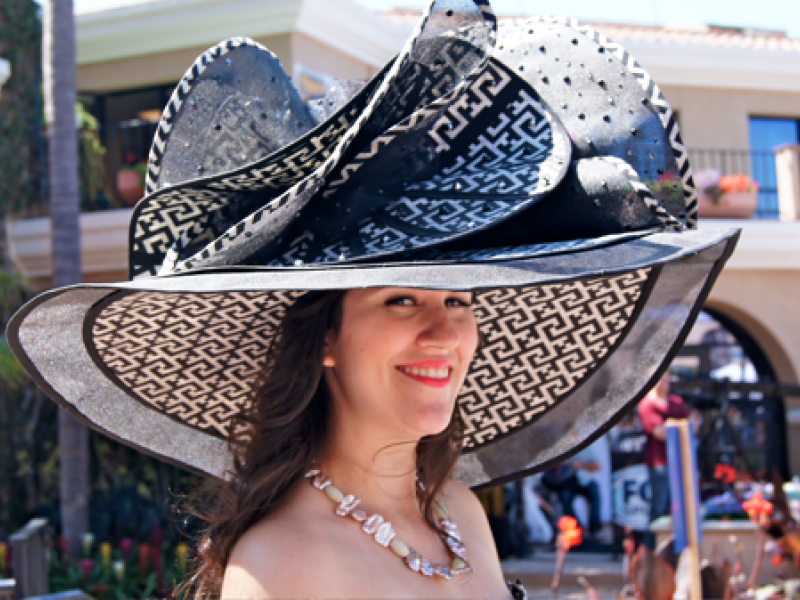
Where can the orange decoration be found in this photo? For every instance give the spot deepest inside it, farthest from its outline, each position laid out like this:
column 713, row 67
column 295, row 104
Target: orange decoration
column 757, row 506
column 571, row 533
column 724, row 472
column 736, row 183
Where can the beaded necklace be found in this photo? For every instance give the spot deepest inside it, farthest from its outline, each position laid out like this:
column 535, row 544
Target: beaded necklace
column 381, row 531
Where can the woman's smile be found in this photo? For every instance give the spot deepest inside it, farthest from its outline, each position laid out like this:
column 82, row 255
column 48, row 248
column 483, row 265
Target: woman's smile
column 433, row 373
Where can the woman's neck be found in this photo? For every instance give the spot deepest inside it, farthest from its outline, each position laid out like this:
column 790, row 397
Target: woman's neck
column 382, row 474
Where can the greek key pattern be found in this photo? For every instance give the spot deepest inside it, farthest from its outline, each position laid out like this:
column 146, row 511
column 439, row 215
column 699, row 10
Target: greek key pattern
column 539, row 344
column 171, row 218
column 193, row 357
column 657, row 100
column 258, row 227
column 488, row 172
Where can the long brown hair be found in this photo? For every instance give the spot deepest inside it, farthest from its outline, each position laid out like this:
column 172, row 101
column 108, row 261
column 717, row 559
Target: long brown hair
column 286, row 427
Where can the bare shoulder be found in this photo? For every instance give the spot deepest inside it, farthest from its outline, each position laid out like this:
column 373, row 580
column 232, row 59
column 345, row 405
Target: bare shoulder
column 461, row 500
column 467, row 512
column 271, row 560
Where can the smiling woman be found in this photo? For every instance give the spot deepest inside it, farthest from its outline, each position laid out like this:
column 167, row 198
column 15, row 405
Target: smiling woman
column 362, row 386
column 310, row 285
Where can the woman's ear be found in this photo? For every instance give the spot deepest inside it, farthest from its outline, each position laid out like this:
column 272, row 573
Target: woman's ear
column 327, row 358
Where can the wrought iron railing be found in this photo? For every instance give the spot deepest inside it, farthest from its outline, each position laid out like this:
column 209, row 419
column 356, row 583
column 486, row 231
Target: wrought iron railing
column 758, row 164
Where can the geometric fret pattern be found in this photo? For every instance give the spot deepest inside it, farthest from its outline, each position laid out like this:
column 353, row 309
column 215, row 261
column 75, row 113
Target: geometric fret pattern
column 539, row 344
column 189, row 356
column 497, row 148
column 466, row 28
column 193, row 356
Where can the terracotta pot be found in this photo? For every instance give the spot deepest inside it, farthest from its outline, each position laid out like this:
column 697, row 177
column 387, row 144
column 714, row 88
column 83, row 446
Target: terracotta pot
column 129, row 186
column 733, row 205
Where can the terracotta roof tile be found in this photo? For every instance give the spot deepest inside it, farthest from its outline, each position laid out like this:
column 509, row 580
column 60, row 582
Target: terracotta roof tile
column 681, row 35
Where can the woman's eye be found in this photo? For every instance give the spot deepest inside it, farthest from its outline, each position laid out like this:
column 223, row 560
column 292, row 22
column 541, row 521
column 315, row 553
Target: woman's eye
column 458, row 302
column 401, row 301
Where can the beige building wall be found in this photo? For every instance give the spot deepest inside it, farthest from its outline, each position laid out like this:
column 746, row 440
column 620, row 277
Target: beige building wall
column 169, row 67
column 765, row 304
column 717, row 118
column 158, row 69
column 319, row 57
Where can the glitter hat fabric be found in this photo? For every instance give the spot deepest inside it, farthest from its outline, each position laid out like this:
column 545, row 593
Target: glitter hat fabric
column 535, row 164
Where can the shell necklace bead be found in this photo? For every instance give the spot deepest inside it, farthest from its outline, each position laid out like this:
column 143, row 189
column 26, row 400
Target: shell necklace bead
column 348, row 506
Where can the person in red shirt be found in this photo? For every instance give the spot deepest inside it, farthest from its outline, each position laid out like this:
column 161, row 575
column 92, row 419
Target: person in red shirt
column 654, row 410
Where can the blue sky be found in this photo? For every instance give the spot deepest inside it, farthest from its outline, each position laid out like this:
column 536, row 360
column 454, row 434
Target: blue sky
column 783, row 15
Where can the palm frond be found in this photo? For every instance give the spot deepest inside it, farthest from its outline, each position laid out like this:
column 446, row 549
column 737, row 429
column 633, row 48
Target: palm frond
column 13, row 291
column 11, row 372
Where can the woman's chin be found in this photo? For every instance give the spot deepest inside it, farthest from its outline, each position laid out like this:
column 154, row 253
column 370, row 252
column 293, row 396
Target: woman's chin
column 432, row 422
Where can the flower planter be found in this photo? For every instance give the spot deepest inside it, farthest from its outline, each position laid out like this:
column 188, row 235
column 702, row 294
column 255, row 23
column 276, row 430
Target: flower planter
column 733, row 205
column 129, row 186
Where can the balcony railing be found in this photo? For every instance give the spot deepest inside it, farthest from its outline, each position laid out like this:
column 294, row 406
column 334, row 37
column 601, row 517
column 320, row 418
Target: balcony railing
column 128, row 143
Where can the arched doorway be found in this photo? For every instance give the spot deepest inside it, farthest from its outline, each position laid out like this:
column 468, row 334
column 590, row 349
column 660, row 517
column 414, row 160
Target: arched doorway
column 742, row 429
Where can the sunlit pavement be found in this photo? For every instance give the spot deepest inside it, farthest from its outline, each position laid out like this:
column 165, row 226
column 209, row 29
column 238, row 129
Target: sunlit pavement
column 600, row 570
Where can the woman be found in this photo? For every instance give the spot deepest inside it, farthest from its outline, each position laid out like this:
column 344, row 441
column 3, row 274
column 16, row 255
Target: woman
column 315, row 244
column 381, row 409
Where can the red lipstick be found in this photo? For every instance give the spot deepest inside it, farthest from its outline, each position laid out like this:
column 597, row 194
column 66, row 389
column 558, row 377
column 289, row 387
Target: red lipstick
column 434, row 382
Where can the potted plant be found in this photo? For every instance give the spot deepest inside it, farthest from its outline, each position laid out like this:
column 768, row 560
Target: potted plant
column 726, row 196
column 130, row 180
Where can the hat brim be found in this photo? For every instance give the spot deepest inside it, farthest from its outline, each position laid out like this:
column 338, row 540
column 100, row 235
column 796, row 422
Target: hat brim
column 572, row 341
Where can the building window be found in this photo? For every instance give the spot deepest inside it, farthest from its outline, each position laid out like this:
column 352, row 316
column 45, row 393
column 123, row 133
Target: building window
column 765, row 135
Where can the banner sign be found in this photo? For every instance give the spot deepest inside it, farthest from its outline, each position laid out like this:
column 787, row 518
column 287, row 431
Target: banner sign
column 630, row 482
column 630, row 493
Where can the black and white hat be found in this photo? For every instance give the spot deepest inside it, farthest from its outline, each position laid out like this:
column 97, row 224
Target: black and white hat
column 535, row 164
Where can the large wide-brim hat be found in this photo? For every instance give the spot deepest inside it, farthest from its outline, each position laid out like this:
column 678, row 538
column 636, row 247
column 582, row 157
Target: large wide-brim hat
column 535, row 164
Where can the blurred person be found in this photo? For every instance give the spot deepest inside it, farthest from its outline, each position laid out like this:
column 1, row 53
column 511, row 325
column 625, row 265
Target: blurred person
column 569, row 480
column 654, row 410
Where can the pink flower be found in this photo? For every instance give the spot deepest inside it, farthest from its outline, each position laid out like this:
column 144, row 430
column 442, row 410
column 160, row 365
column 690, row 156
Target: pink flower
column 707, row 178
column 125, row 546
column 86, row 564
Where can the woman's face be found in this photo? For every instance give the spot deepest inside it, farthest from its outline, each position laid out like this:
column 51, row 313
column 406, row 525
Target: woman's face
column 400, row 358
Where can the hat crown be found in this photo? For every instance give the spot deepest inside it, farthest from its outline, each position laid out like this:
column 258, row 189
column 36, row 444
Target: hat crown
column 453, row 138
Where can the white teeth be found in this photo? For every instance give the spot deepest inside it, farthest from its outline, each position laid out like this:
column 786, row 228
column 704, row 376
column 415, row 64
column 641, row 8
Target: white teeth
column 432, row 373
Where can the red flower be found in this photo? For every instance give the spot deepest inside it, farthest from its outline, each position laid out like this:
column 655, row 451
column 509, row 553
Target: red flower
column 776, row 560
column 144, row 551
column 725, row 472
column 756, row 507
column 666, row 178
column 571, row 534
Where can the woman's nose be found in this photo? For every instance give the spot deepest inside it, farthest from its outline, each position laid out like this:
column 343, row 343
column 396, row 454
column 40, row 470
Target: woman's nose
column 439, row 330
